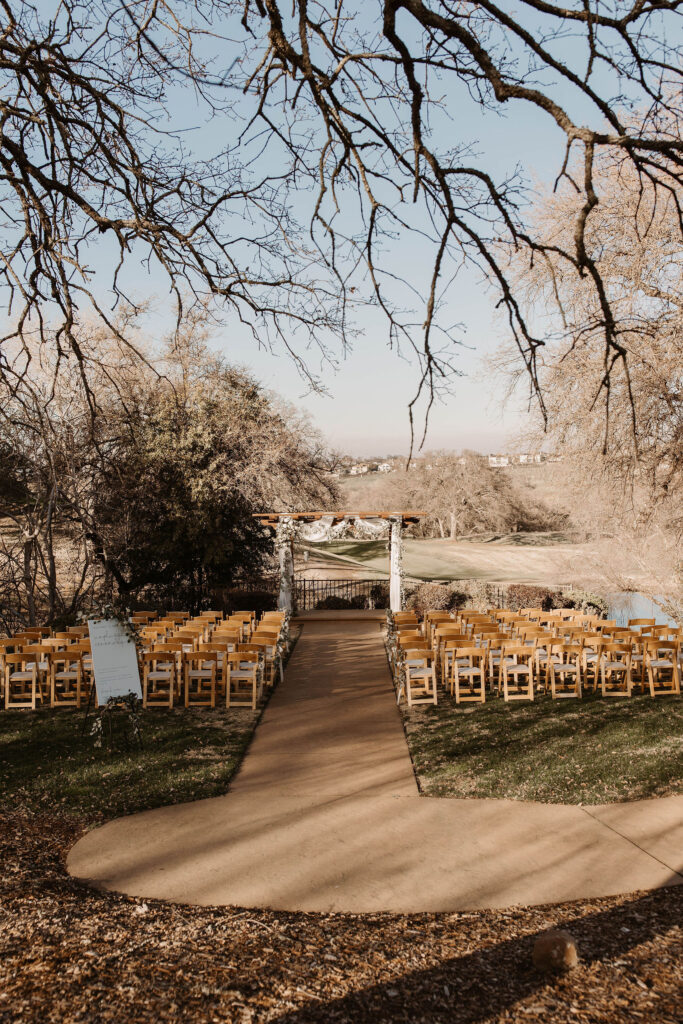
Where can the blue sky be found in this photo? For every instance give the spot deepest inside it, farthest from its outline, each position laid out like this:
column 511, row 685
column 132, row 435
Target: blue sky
column 365, row 408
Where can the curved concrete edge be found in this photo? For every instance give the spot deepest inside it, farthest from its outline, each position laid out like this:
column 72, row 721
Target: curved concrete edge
column 398, row 854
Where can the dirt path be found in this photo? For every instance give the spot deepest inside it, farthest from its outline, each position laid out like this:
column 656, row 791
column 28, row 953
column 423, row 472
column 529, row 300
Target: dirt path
column 325, row 815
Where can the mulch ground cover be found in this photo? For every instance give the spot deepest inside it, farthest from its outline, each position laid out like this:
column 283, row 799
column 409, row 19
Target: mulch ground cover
column 71, row 954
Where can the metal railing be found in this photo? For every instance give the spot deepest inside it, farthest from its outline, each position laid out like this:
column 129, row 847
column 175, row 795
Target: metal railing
column 310, row 594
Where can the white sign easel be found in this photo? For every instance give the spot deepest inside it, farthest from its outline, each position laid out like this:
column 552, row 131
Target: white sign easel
column 114, row 660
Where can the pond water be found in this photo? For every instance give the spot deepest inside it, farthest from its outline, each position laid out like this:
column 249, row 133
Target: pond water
column 632, row 605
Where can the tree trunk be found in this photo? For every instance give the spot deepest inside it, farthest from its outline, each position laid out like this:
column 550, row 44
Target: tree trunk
column 51, row 562
column 454, row 526
column 439, row 523
column 28, row 581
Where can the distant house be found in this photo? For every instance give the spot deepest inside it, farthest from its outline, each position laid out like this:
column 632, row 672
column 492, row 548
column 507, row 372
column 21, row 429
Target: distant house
column 384, row 467
column 499, row 460
column 359, row 469
column 531, row 458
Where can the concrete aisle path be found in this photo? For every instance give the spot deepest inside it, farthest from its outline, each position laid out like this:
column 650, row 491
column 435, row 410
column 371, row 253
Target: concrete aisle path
column 324, row 815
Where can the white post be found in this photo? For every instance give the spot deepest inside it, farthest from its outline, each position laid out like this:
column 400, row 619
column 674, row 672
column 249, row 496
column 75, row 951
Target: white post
column 396, row 580
column 284, row 537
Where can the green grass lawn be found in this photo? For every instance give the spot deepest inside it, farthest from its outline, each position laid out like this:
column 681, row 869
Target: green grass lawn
column 594, row 751
column 46, row 764
column 515, row 557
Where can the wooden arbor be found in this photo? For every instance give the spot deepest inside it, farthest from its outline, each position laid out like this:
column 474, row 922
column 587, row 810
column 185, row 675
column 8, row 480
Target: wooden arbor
column 321, row 526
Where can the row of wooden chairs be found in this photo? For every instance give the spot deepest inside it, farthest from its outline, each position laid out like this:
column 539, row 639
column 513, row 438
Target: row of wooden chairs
column 518, row 654
column 190, row 660
column 40, row 667
column 198, row 662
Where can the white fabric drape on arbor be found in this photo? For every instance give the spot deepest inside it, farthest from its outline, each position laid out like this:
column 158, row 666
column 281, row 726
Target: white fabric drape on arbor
column 291, row 530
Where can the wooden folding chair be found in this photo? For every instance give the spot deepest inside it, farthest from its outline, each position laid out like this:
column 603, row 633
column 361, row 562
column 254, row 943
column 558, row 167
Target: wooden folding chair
column 464, row 613
column 243, row 626
column 8, row 645
column 276, row 620
column 481, row 629
column 210, row 616
column 404, row 644
column 432, row 620
column 229, row 637
column 175, row 649
column 83, row 649
column 22, row 689
column 444, row 633
column 222, row 649
column 663, row 669
column 565, row 672
column 247, row 620
column 517, row 672
column 502, row 615
column 66, row 678
column 469, row 675
column 177, row 617
column 242, row 687
column 592, row 644
column 532, row 614
column 39, row 654
column 570, row 632
column 405, row 617
column 199, row 670
column 615, row 670
column 420, row 670
column 191, row 636
column 81, row 632
column 398, row 662
column 467, row 623
column 549, row 619
column 33, row 634
column 567, row 613
column 446, row 653
column 154, row 634
column 268, row 648
column 159, row 683
column 541, row 640
column 495, row 646
column 410, row 627
column 143, row 618
column 512, row 626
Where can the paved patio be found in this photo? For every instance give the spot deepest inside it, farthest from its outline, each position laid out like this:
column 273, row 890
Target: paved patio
column 324, row 815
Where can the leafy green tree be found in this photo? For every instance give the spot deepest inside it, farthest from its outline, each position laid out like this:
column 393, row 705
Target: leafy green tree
column 154, row 497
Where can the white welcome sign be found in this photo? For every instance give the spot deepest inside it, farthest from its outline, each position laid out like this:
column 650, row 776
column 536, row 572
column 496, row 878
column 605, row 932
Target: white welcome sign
column 114, row 659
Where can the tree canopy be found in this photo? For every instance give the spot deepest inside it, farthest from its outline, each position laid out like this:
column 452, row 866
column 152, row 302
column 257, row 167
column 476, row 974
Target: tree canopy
column 155, row 497
column 635, row 241
column 462, row 494
column 334, row 136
